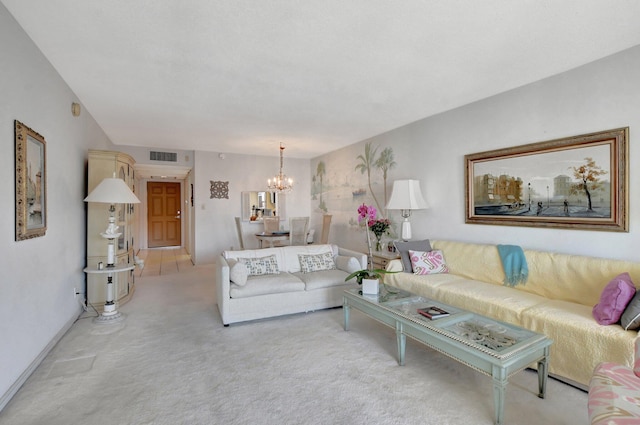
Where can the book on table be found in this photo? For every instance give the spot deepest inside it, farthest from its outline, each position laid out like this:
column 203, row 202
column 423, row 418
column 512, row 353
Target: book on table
column 433, row 312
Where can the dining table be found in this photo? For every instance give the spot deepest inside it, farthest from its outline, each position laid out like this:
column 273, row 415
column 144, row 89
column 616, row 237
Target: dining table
column 272, row 237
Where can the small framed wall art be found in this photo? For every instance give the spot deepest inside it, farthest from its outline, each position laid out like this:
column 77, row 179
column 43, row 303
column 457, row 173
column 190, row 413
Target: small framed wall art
column 31, row 183
column 219, row 189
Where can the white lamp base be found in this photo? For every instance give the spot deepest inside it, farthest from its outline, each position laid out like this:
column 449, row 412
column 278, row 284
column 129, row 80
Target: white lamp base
column 109, row 318
column 405, row 232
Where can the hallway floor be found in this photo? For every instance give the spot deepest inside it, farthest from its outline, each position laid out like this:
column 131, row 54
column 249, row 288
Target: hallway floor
column 163, row 261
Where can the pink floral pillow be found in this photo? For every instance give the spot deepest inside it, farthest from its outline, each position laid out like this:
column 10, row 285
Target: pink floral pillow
column 430, row 262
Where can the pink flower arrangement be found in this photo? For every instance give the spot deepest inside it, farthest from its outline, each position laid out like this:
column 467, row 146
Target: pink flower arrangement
column 379, row 226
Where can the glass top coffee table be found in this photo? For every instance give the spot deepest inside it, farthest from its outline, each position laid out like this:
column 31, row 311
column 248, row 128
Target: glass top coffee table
column 491, row 347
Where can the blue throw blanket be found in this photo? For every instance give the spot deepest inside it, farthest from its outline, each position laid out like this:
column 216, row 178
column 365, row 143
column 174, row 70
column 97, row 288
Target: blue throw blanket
column 514, row 264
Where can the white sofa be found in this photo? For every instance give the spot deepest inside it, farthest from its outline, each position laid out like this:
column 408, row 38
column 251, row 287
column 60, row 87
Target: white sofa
column 290, row 290
column 556, row 300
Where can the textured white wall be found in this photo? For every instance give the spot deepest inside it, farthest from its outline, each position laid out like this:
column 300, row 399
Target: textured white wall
column 36, row 291
column 598, row 96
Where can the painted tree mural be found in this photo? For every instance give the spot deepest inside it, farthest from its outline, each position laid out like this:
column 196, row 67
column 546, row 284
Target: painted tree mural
column 367, row 162
column 370, row 162
column 385, row 162
column 589, row 176
column 320, row 173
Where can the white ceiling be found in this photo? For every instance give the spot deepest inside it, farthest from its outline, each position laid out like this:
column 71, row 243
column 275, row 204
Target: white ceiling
column 242, row 76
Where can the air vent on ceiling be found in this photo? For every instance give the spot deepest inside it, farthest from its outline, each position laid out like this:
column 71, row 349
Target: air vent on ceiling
column 163, row 156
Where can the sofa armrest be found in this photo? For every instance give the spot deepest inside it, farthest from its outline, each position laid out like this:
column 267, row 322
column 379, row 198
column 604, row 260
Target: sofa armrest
column 395, row 266
column 223, row 287
column 362, row 258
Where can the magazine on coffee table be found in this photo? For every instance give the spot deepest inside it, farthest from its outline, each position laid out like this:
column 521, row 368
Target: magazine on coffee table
column 433, row 312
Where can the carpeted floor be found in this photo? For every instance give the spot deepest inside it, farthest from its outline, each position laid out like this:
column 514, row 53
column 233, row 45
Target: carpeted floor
column 172, row 362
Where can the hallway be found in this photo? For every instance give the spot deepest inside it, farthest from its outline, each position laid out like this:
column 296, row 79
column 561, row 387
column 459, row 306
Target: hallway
column 163, row 261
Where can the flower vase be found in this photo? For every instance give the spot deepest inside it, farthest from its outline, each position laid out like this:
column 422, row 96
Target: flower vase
column 378, row 245
column 370, row 286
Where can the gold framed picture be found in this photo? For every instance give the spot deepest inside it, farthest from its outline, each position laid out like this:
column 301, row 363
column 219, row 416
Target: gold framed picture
column 31, row 183
column 578, row 182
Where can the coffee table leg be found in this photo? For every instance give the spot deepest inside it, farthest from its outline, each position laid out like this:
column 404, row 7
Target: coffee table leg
column 345, row 310
column 499, row 389
column 402, row 343
column 543, row 373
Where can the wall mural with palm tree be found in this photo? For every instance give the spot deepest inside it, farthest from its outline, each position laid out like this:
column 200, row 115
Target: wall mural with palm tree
column 339, row 187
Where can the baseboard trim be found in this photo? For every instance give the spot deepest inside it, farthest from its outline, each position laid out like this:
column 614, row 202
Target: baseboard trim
column 13, row 389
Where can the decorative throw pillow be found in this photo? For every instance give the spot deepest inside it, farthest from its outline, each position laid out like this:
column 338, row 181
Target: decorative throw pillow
column 262, row 265
column 430, row 262
column 316, row 262
column 347, row 264
column 404, row 247
column 238, row 273
column 630, row 319
column 614, row 299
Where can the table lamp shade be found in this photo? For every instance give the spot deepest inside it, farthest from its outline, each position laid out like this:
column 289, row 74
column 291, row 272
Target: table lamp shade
column 112, row 190
column 406, row 196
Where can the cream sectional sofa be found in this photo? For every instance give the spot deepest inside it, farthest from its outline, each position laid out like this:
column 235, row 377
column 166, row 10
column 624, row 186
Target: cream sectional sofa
column 556, row 300
column 288, row 291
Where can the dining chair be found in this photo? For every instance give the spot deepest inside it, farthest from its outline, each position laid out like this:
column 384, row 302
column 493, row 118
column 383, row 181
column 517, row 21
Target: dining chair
column 298, row 228
column 326, row 225
column 239, row 230
column 271, row 224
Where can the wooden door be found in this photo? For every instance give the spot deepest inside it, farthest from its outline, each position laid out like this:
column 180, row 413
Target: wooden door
column 163, row 214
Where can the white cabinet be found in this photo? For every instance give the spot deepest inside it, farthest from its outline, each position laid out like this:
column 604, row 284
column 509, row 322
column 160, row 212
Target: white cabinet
column 103, row 164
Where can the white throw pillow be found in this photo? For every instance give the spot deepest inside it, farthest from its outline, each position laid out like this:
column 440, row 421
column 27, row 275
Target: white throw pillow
column 238, row 273
column 347, row 264
column 260, row 266
column 316, row 262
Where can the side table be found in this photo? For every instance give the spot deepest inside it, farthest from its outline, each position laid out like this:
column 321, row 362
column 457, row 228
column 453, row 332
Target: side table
column 382, row 258
column 110, row 313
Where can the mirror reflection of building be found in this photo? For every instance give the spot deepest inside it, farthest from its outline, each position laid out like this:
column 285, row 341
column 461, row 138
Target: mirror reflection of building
column 255, row 205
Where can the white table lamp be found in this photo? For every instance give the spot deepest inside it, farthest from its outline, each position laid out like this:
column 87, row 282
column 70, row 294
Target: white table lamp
column 111, row 191
column 406, row 196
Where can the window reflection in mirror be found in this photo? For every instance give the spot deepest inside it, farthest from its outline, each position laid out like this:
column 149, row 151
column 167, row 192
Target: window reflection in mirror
column 258, row 204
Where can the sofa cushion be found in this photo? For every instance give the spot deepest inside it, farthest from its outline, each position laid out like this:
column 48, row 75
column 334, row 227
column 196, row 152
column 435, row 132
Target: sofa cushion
column 261, row 265
column 238, row 272
column 429, row 262
column 582, row 342
column 614, row 299
column 496, row 301
column 257, row 253
column 267, row 284
column 323, row 279
column 630, row 319
column 404, row 247
column 576, row 278
column 290, row 254
column 347, row 264
column 473, row 261
column 316, row 262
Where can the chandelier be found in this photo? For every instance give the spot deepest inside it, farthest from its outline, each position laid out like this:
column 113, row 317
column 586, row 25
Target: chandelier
column 280, row 183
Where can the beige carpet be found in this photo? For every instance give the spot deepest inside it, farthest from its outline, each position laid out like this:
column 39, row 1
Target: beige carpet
column 172, row 362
